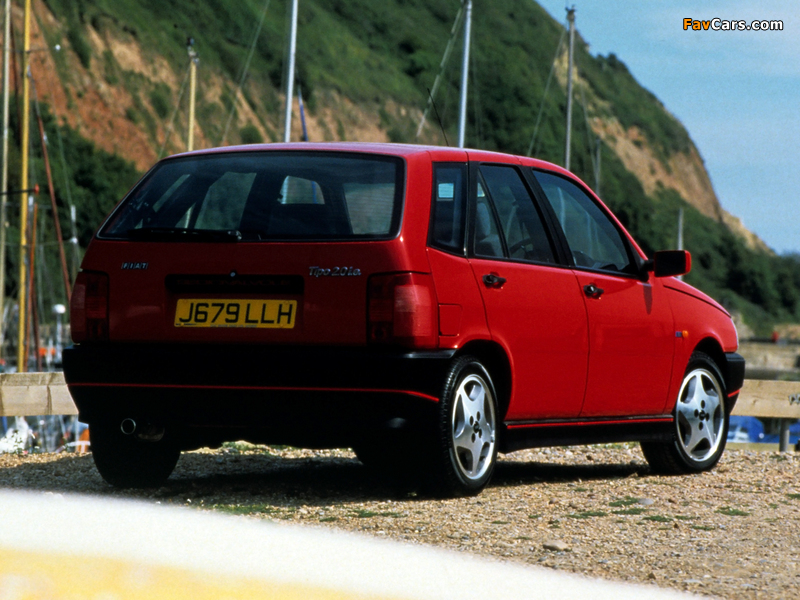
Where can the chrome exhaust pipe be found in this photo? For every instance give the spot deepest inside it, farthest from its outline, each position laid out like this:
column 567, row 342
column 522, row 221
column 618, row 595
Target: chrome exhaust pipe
column 128, row 426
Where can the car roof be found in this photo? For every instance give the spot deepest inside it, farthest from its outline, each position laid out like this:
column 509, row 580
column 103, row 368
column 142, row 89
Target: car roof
column 438, row 153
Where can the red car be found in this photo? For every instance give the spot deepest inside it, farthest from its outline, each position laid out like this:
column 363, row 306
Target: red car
column 426, row 306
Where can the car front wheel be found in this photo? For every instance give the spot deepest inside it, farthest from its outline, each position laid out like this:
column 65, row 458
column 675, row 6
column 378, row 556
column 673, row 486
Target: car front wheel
column 700, row 422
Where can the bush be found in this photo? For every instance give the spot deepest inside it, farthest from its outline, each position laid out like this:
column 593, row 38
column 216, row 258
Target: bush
column 250, row 134
column 79, row 44
column 161, row 100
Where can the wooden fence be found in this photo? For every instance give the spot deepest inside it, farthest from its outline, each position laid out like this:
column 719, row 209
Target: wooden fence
column 35, row 394
column 771, row 400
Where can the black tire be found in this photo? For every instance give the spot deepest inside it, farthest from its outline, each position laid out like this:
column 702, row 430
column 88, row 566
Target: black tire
column 465, row 448
column 133, row 461
column 701, row 418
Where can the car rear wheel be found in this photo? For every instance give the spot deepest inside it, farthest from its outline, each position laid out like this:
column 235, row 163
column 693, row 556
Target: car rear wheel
column 466, row 449
column 131, row 455
column 700, row 422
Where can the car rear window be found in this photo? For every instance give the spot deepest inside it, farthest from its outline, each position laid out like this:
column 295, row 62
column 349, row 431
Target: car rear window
column 257, row 196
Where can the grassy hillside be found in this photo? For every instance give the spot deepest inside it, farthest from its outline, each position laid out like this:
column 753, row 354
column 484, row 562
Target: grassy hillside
column 376, row 61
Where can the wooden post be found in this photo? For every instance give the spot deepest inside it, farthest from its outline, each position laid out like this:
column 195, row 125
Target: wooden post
column 783, row 440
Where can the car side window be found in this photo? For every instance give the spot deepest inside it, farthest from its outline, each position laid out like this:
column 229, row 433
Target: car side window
column 449, row 207
column 522, row 227
column 296, row 190
column 594, row 240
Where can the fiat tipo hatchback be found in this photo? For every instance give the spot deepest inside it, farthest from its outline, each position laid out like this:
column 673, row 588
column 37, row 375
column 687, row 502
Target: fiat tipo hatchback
column 428, row 307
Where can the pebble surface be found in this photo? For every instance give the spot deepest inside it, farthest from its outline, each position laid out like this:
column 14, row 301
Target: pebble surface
column 733, row 532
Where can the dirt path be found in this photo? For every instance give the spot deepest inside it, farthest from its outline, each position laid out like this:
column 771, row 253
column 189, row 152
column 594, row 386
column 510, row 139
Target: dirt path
column 730, row 533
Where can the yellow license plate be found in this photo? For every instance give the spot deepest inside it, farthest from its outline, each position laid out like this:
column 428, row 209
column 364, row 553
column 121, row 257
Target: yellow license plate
column 201, row 312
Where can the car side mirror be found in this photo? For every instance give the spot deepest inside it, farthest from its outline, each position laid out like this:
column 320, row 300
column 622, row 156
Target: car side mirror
column 669, row 263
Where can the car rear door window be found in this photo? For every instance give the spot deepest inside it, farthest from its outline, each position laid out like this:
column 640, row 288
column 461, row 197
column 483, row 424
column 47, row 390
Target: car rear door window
column 449, row 207
column 594, row 240
column 524, row 236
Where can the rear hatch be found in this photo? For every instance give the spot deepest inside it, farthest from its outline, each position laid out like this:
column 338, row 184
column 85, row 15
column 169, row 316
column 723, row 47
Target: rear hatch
column 238, row 247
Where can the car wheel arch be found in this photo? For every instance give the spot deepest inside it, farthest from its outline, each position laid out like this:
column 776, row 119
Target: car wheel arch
column 496, row 360
column 709, row 346
column 713, row 349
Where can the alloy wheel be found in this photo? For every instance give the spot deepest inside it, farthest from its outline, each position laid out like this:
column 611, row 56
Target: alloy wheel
column 473, row 427
column 700, row 417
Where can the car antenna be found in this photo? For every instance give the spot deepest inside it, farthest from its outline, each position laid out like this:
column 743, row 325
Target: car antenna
column 438, row 118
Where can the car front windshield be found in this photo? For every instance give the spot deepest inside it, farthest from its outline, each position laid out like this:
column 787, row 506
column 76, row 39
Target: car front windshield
column 255, row 196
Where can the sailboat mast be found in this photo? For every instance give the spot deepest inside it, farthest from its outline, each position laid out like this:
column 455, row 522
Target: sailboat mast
column 302, row 112
column 287, row 122
column 598, row 155
column 571, row 19
column 4, row 182
column 54, row 207
column 22, row 359
column 192, row 92
column 462, row 116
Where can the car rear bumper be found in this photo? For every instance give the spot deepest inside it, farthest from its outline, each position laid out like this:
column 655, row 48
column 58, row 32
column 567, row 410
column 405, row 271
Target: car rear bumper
column 314, row 397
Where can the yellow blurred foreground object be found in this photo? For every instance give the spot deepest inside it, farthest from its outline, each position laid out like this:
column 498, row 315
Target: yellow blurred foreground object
column 44, row 576
column 55, row 547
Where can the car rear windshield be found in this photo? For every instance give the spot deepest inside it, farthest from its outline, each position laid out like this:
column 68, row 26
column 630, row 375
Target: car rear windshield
column 257, row 196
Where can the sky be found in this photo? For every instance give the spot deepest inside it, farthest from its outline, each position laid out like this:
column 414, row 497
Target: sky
column 736, row 92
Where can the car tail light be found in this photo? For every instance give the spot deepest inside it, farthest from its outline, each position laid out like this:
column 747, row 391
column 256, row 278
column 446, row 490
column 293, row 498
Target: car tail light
column 89, row 307
column 402, row 310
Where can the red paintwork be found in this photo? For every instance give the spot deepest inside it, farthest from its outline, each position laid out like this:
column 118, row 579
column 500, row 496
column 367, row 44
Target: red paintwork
column 539, row 319
column 455, row 287
column 631, row 339
column 571, row 356
column 703, row 318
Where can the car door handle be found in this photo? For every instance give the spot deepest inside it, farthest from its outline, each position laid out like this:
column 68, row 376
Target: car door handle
column 493, row 280
column 593, row 291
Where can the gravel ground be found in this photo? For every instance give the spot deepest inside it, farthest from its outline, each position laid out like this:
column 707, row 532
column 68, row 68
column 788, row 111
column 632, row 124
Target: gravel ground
column 731, row 533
